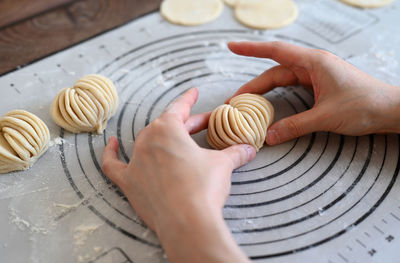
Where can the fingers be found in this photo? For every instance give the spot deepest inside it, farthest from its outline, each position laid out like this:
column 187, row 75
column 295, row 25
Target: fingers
column 285, row 54
column 112, row 166
column 294, row 126
column 240, row 154
column 198, row 122
column 278, row 76
column 181, row 107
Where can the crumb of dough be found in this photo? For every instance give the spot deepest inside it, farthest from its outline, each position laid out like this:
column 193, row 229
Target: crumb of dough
column 82, row 233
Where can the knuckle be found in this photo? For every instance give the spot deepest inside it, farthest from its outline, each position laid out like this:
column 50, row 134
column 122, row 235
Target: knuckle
column 293, row 128
column 324, row 55
column 142, row 136
column 238, row 157
column 276, row 43
column 156, row 127
column 163, row 119
column 322, row 52
column 159, row 128
column 142, row 141
column 168, row 117
column 226, row 159
column 106, row 166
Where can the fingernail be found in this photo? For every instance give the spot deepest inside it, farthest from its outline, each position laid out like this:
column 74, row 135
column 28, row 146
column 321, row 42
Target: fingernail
column 273, row 137
column 251, row 151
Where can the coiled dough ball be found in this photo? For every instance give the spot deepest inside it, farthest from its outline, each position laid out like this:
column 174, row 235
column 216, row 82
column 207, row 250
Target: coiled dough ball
column 87, row 106
column 23, row 139
column 244, row 121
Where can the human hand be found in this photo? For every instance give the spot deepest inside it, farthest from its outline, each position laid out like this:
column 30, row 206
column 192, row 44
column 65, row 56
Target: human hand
column 347, row 100
column 179, row 188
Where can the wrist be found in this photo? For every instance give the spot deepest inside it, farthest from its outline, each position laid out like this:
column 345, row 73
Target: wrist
column 199, row 235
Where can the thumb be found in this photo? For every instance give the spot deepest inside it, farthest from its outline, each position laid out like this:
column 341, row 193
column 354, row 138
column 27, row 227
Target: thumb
column 293, row 127
column 112, row 166
column 240, row 154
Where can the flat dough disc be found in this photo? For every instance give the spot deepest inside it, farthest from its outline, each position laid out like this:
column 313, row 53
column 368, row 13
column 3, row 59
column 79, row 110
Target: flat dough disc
column 233, row 3
column 367, row 3
column 266, row 14
column 191, row 12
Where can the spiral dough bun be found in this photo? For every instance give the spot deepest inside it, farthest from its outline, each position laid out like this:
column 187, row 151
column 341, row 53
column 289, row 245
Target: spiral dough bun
column 244, row 121
column 23, row 139
column 87, row 106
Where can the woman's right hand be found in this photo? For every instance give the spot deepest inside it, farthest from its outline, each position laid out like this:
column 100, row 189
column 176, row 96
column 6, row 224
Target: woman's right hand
column 347, row 100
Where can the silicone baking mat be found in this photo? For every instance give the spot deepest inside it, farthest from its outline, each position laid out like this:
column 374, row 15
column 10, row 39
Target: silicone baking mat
column 323, row 197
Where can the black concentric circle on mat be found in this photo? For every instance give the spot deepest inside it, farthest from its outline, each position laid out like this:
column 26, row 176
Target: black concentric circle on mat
column 292, row 197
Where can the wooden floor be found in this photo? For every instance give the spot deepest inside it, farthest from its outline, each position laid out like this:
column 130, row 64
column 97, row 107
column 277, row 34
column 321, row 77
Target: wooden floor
column 33, row 29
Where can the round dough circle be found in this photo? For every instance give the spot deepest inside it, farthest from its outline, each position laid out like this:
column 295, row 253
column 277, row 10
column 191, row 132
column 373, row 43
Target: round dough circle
column 245, row 120
column 266, row 14
column 191, row 12
column 367, row 3
column 87, row 106
column 233, row 3
column 23, row 139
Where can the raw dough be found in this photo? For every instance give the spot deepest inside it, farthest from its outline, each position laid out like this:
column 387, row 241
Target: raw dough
column 87, row 106
column 266, row 14
column 191, row 12
column 23, row 139
column 231, row 3
column 245, row 120
column 367, row 3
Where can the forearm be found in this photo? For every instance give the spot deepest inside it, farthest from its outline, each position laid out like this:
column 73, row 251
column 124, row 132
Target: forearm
column 201, row 236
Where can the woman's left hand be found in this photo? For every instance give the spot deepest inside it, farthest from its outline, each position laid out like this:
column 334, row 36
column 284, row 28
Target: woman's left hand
column 176, row 186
